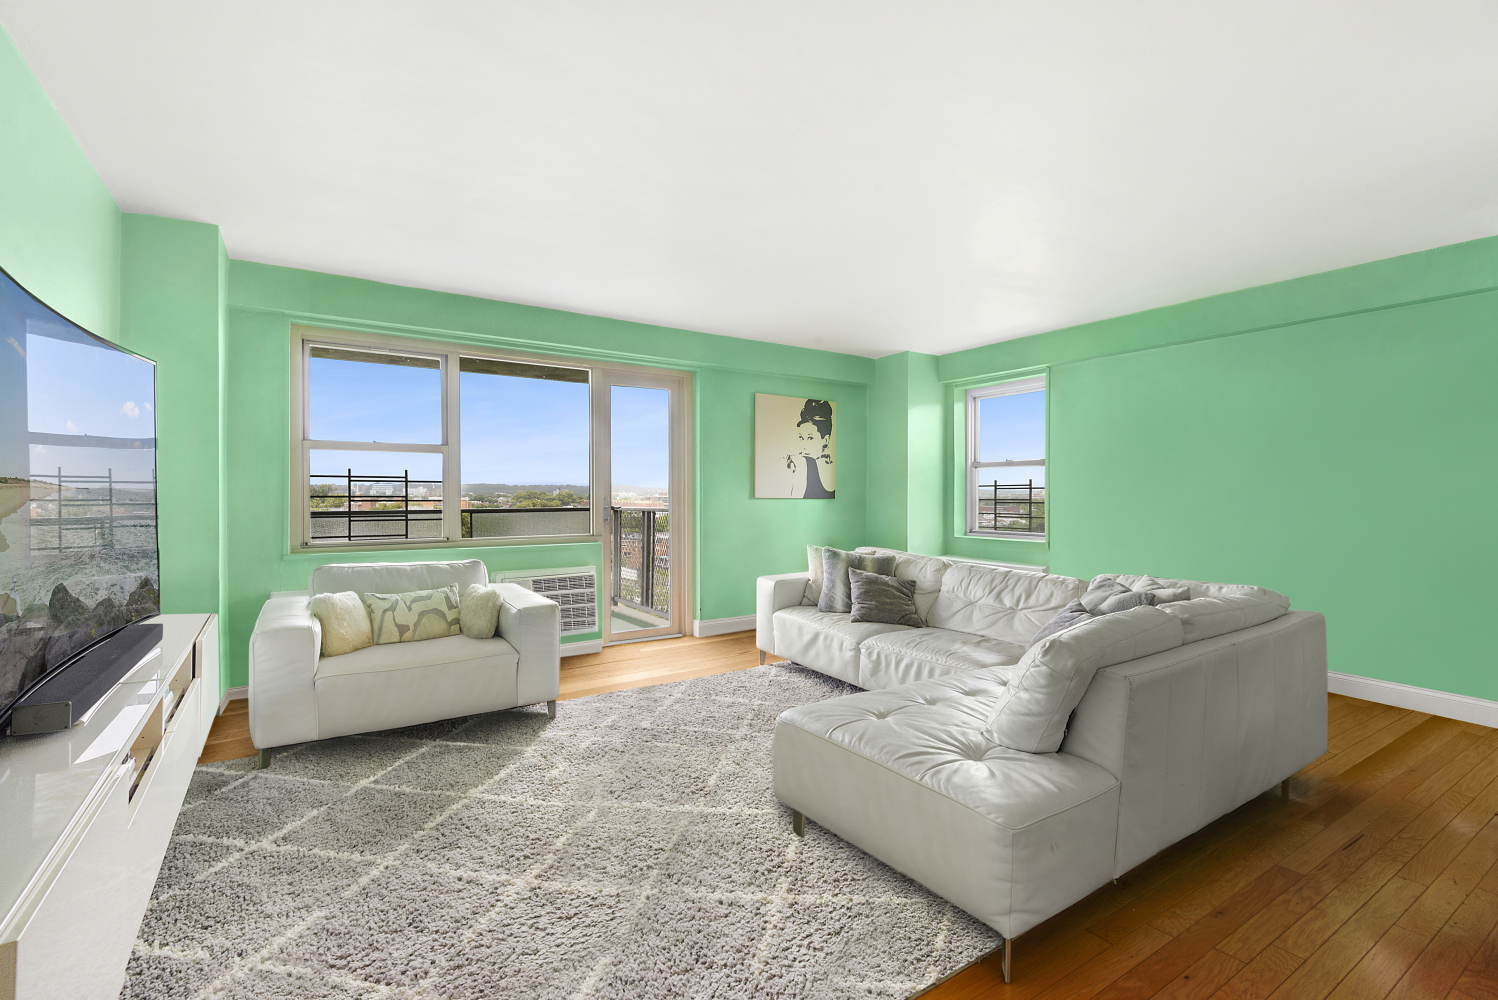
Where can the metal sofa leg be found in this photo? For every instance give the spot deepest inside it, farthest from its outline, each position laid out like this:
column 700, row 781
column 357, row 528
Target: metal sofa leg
column 798, row 822
column 265, row 758
column 1008, row 947
column 761, row 657
column 551, row 709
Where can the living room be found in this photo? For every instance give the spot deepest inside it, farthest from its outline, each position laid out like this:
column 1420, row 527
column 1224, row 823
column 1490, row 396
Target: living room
column 1252, row 296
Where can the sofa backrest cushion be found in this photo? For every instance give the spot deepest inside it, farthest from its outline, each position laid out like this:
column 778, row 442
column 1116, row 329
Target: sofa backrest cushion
column 396, row 578
column 1206, row 617
column 926, row 571
column 1000, row 603
column 1050, row 679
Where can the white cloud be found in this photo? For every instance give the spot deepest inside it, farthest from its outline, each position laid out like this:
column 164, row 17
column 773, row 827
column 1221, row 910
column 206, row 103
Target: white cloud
column 130, row 410
column 150, row 407
column 19, row 349
column 72, row 427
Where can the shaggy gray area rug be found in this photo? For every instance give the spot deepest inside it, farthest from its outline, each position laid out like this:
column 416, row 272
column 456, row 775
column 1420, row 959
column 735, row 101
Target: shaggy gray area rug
column 630, row 849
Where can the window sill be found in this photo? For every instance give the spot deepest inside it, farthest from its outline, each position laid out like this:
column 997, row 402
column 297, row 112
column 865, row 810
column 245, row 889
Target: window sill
column 1018, row 536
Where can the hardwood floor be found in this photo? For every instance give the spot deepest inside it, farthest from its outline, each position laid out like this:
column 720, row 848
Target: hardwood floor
column 617, row 668
column 1378, row 877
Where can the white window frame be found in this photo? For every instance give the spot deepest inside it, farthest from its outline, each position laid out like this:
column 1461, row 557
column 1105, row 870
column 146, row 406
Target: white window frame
column 599, row 496
column 1036, row 383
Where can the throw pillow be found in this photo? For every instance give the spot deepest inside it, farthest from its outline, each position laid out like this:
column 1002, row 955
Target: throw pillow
column 880, row 598
column 1170, row 595
column 813, row 592
column 478, row 611
column 421, row 614
column 1049, row 680
column 1102, row 588
column 1123, row 602
column 837, row 595
column 345, row 622
column 1072, row 614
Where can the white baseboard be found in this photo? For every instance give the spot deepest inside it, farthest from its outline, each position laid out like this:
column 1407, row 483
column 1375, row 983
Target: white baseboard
column 723, row 626
column 1461, row 707
column 579, row 648
column 233, row 694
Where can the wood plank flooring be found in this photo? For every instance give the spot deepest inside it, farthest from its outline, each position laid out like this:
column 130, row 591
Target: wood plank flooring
column 1378, row 877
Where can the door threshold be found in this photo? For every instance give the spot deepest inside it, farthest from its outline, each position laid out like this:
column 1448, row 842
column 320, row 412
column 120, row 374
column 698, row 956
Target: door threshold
column 643, row 638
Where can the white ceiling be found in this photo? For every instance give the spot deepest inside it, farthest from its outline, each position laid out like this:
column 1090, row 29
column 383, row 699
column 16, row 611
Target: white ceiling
column 853, row 175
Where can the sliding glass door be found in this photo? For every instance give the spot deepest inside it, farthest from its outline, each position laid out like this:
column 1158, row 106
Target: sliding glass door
column 647, row 582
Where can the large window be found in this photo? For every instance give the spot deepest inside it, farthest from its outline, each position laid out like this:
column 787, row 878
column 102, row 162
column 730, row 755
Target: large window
column 406, row 445
column 1006, row 489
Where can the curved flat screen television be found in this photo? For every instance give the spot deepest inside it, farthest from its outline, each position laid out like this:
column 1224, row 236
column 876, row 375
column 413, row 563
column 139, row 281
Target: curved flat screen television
column 78, row 553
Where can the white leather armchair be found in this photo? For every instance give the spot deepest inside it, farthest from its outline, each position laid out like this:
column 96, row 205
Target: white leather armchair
column 297, row 695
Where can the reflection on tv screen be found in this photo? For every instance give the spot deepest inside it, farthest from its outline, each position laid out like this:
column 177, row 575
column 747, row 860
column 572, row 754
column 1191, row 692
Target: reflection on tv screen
column 78, row 554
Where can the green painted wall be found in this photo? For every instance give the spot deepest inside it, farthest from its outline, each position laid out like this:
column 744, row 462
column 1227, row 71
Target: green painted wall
column 906, row 459
column 1330, row 437
column 169, row 312
column 738, row 538
column 59, row 226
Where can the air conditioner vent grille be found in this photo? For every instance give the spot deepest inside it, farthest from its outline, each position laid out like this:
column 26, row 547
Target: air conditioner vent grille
column 574, row 590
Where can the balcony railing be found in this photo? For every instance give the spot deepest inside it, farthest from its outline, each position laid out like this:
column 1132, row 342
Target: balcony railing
column 642, row 559
column 388, row 514
column 94, row 512
column 513, row 522
column 1011, row 507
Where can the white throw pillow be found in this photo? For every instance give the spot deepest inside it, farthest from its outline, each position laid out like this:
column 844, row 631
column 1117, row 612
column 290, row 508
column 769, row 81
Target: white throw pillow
column 478, row 610
column 813, row 592
column 345, row 622
column 1052, row 676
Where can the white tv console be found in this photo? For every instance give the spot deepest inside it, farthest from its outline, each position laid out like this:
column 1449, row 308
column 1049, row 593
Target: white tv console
column 86, row 815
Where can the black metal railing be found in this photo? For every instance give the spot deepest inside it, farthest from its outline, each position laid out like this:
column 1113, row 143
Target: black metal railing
column 1011, row 507
column 642, row 558
column 390, row 514
column 94, row 512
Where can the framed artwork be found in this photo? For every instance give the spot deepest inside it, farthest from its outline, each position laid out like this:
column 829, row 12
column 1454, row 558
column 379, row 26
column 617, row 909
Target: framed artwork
column 795, row 447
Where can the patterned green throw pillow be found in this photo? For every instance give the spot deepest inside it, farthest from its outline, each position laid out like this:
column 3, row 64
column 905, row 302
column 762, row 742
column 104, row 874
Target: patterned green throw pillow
column 421, row 614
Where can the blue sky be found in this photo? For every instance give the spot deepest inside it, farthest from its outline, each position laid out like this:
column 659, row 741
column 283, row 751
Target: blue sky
column 1012, row 428
column 513, row 430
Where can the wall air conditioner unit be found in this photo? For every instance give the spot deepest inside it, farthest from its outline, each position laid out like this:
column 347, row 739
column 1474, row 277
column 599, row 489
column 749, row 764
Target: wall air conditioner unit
column 575, row 589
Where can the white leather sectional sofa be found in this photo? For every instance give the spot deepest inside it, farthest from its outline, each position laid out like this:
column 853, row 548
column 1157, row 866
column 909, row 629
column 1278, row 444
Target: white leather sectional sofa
column 297, row 694
column 1225, row 699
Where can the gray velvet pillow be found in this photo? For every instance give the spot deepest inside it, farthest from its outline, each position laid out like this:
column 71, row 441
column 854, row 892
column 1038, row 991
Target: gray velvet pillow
column 1068, row 616
column 1102, row 588
column 1123, row 602
column 878, row 597
column 837, row 597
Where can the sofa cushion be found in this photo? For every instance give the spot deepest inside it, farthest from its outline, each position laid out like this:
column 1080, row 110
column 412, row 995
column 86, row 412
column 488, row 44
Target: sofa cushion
column 837, row 595
column 879, row 598
column 1053, row 675
column 825, row 640
column 1000, row 603
column 478, row 609
column 926, row 571
column 896, row 658
column 395, row 578
column 413, row 617
column 344, row 620
column 403, row 655
column 1205, row 617
column 1072, row 614
column 911, row 777
column 813, row 592
column 1123, row 602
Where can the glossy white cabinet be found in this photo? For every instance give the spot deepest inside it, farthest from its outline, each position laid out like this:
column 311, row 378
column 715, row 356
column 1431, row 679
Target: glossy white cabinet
column 86, row 815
